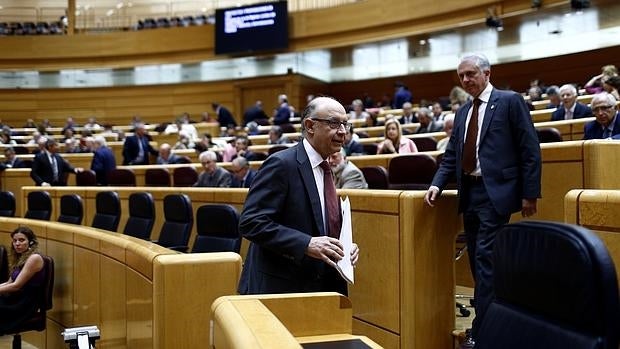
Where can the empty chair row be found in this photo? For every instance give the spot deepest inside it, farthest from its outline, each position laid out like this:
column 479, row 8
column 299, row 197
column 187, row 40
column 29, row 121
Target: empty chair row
column 216, row 224
column 406, row 172
column 157, row 177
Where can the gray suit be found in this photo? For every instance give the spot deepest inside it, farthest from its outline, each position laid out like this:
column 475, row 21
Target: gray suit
column 350, row 177
column 220, row 178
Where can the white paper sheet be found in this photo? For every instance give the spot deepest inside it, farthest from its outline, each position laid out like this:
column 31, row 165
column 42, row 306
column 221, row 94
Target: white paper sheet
column 344, row 266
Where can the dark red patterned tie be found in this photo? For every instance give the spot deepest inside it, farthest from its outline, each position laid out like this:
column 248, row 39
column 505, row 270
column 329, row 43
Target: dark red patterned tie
column 469, row 150
column 332, row 207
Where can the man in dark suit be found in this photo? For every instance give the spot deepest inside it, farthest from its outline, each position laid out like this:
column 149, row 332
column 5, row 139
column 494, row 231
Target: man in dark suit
column 607, row 123
column 136, row 148
column 103, row 160
column 48, row 168
column 243, row 175
column 495, row 156
column 283, row 112
column 224, row 116
column 570, row 108
column 427, row 122
column 284, row 215
column 11, row 160
column 254, row 113
column 408, row 114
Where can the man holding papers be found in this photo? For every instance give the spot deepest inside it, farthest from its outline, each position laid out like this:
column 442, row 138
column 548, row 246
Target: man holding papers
column 292, row 215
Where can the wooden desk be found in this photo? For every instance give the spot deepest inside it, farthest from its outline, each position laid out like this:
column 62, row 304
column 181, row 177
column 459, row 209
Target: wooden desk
column 282, row 321
column 140, row 295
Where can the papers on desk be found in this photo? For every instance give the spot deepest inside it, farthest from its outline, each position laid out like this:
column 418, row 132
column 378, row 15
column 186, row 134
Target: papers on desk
column 344, row 266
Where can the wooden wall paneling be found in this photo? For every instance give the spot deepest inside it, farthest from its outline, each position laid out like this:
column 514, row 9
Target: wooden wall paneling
column 139, row 310
column 87, row 295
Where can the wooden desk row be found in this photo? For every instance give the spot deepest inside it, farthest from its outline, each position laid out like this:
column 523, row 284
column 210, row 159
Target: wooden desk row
column 140, row 295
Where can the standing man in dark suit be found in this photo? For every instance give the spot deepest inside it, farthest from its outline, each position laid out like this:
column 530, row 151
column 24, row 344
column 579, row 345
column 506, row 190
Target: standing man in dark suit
column 254, row 113
column 103, row 160
column 224, row 116
column 495, row 156
column 294, row 238
column 136, row 148
column 243, row 175
column 48, row 168
column 570, row 108
column 607, row 123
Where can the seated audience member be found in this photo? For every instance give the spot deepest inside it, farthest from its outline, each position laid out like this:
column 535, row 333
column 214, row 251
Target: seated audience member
column 72, row 146
column 136, row 148
column 183, row 142
column 252, row 128
column 346, row 174
column 70, row 123
column 19, row 295
column 448, row 125
column 87, row 144
column 351, row 146
column 454, row 106
column 10, row 160
column 357, row 111
column 394, row 141
column 92, row 124
column 213, row 175
column 535, row 94
column 166, row 156
column 282, row 114
column 5, row 137
column 427, row 123
column 30, row 124
column 68, row 133
column 241, row 145
column 570, row 108
column 103, row 161
column 595, row 84
column 206, row 117
column 408, row 114
column 612, row 85
column 205, row 143
column 607, row 123
column 243, row 175
column 276, row 136
column 254, row 112
column 438, row 114
column 459, row 95
column 48, row 168
column 41, row 142
column 224, row 116
column 553, row 95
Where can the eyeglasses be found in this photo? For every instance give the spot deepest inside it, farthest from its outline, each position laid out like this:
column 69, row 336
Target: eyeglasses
column 334, row 124
column 602, row 108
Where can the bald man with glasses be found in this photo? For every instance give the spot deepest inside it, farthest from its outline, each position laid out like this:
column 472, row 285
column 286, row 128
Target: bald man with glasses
column 291, row 214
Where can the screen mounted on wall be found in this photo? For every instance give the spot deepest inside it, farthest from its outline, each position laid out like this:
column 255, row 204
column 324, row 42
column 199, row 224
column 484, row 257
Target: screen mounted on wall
column 251, row 28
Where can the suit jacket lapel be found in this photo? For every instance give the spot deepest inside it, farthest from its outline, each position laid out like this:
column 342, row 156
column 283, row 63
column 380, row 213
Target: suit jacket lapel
column 307, row 176
column 488, row 114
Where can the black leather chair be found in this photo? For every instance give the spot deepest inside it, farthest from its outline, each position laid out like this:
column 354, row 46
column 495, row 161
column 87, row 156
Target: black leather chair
column 7, row 204
column 411, row 172
column 425, row 143
column 217, row 229
column 38, row 321
column 548, row 135
column 39, row 206
column 4, row 264
column 376, row 177
column 71, row 209
column 184, row 176
column 108, row 211
column 141, row 216
column 86, row 178
column 555, row 287
column 157, row 177
column 122, row 177
column 178, row 222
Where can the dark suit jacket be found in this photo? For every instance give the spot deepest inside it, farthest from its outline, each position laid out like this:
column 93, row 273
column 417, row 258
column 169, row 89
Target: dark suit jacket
column 17, row 163
column 235, row 183
column 281, row 213
column 254, row 113
column 581, row 111
column 354, row 147
column 593, row 130
column 283, row 114
column 509, row 152
column 131, row 150
column 225, row 117
column 103, row 162
column 42, row 169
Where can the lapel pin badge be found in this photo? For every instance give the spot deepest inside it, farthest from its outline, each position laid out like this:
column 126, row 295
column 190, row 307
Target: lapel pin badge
column 492, row 106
